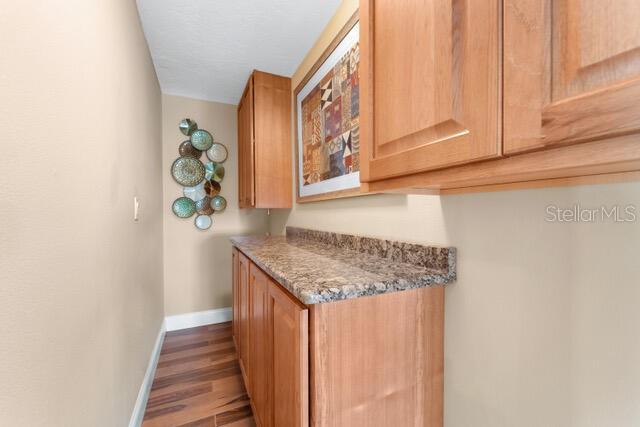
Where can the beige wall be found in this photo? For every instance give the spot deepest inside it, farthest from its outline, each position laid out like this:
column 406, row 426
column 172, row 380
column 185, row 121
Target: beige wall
column 542, row 325
column 80, row 281
column 197, row 264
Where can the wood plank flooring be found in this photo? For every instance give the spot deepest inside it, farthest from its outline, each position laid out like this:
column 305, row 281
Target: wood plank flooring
column 198, row 381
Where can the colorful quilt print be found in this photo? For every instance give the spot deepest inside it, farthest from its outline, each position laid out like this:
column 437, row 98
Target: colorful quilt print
column 330, row 123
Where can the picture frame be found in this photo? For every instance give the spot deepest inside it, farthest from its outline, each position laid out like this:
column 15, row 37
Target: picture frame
column 334, row 149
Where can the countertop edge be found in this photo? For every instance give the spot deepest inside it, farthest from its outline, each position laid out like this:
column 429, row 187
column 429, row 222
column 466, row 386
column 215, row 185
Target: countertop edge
column 384, row 287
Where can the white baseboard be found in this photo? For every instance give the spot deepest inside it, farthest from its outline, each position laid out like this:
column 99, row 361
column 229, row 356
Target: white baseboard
column 198, row 318
column 172, row 323
column 145, row 388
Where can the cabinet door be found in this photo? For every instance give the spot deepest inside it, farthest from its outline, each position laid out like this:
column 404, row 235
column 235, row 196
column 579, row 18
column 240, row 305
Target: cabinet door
column 246, row 182
column 244, row 350
column 429, row 75
column 272, row 135
column 571, row 71
column 261, row 349
column 290, row 343
column 235, row 288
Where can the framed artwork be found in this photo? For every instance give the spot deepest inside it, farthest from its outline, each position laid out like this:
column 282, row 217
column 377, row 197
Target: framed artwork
column 327, row 115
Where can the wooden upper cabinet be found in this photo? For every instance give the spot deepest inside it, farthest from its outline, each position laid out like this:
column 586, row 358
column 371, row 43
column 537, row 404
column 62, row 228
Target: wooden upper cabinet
column 571, row 72
column 264, row 142
column 290, row 342
column 429, row 76
column 246, row 183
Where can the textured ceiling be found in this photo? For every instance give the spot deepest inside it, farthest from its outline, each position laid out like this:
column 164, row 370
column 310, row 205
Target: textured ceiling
column 206, row 49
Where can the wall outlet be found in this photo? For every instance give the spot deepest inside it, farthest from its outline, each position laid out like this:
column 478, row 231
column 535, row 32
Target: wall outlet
column 136, row 208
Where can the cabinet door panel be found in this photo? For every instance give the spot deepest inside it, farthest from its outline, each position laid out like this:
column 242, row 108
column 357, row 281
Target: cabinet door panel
column 244, row 350
column 578, row 78
column 261, row 348
column 235, row 284
column 430, row 84
column 272, row 131
column 246, row 183
column 290, row 360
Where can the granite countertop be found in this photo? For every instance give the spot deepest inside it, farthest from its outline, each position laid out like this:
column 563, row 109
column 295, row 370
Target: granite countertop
column 319, row 267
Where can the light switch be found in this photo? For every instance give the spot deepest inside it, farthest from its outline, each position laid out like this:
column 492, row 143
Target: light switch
column 136, row 208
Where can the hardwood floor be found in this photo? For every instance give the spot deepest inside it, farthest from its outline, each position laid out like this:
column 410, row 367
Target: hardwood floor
column 198, row 381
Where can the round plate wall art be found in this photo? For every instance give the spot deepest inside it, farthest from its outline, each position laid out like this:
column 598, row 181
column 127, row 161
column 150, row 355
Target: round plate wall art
column 187, row 171
column 201, row 139
column 195, row 193
column 184, row 207
column 187, row 126
column 214, row 172
column 203, row 206
column 188, row 150
column 212, row 188
column 218, row 176
column 209, row 170
column 217, row 153
column 218, row 203
column 200, row 182
column 203, row 222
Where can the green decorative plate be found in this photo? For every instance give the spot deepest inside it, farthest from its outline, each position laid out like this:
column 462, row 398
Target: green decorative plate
column 218, row 203
column 183, row 207
column 187, row 171
column 188, row 150
column 214, row 172
column 218, row 176
column 217, row 153
column 201, row 139
column 209, row 170
column 203, row 222
column 212, row 188
column 187, row 126
column 203, row 206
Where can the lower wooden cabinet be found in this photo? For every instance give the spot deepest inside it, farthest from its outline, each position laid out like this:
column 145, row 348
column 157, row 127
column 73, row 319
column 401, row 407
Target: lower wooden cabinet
column 236, row 295
column 261, row 345
column 289, row 337
column 243, row 316
column 273, row 347
column 373, row 361
column 378, row 361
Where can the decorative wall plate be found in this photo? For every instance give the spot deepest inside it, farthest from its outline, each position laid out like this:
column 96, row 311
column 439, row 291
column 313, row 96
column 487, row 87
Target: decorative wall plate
column 209, row 170
column 187, row 171
column 183, row 207
column 203, row 222
column 201, row 139
column 218, row 203
column 203, row 206
column 214, row 172
column 218, row 176
column 195, row 193
column 217, row 153
column 212, row 188
column 188, row 150
column 187, row 126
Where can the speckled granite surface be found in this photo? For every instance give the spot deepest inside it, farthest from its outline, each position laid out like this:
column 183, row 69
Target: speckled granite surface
column 320, row 267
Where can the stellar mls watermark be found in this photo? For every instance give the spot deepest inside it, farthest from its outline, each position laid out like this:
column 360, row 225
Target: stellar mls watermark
column 577, row 213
